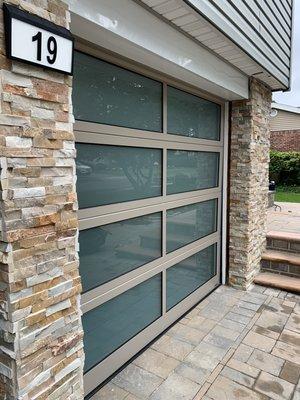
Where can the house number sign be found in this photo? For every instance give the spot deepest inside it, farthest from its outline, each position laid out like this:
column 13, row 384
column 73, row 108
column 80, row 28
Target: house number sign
column 37, row 41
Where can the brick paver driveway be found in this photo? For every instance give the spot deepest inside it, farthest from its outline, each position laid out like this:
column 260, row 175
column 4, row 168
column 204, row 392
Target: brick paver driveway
column 233, row 345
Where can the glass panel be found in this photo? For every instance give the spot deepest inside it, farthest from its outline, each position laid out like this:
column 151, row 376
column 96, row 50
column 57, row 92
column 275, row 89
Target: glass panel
column 191, row 170
column 112, row 324
column 109, row 251
column 189, row 223
column 191, row 116
column 191, row 273
column 113, row 174
column 107, row 94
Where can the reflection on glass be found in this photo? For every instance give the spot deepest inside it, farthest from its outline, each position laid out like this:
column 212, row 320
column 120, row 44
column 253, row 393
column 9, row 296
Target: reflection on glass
column 114, row 174
column 189, row 223
column 191, row 273
column 109, row 251
column 107, row 94
column 191, row 116
column 112, row 324
column 191, row 170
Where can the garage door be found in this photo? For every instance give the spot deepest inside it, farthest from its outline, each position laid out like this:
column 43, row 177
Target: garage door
column 149, row 156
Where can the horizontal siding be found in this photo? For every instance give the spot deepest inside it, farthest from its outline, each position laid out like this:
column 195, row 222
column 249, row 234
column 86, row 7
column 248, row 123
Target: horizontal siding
column 285, row 120
column 262, row 28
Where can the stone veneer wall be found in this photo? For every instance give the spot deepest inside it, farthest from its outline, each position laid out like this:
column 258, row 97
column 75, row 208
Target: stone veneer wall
column 248, row 197
column 41, row 353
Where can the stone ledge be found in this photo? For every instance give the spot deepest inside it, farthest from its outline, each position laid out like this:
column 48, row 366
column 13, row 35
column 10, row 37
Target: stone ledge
column 289, row 236
column 281, row 256
column 278, row 281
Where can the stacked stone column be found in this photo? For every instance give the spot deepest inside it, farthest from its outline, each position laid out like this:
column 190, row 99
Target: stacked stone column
column 41, row 351
column 249, row 168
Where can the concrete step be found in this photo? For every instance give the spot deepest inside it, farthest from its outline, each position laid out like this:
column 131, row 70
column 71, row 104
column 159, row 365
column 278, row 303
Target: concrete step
column 286, row 241
column 278, row 281
column 281, row 262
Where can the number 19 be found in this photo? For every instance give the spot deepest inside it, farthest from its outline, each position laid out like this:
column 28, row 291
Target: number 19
column 51, row 47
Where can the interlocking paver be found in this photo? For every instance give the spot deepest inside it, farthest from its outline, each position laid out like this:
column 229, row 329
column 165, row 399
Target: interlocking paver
column 213, row 313
column 266, row 362
column 243, row 352
column 232, row 346
column 290, row 337
column 176, row 387
column 287, row 351
column 238, row 318
column 237, row 376
column 274, row 387
column 186, row 334
column 249, row 306
column 256, row 298
column 243, row 367
column 172, row 347
column 110, row 392
column 265, row 332
column 235, row 326
column 272, row 321
column 243, row 311
column 224, row 332
column 156, row 363
column 192, row 372
column 296, row 395
column 201, row 323
column 137, row 381
column 219, row 341
column 259, row 341
column 290, row 372
column 225, row 389
column 293, row 323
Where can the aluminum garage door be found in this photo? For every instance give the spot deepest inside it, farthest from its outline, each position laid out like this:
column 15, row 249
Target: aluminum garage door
column 149, row 157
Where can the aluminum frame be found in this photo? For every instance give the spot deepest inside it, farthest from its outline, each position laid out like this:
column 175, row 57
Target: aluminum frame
column 95, row 133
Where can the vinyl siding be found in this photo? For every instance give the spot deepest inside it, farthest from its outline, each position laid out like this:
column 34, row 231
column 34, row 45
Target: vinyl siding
column 262, row 28
column 285, row 121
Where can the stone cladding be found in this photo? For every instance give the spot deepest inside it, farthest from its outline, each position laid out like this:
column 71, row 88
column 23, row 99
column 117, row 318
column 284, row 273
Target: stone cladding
column 41, row 351
column 248, row 198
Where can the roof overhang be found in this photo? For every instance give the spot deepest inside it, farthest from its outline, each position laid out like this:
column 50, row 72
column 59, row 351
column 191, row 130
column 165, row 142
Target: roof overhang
column 137, row 34
column 200, row 23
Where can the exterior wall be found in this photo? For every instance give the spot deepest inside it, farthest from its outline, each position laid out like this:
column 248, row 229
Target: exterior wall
column 285, row 120
column 248, row 197
column 41, row 333
column 285, row 140
column 261, row 28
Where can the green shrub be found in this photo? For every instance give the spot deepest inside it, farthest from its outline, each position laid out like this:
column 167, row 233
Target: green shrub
column 285, row 168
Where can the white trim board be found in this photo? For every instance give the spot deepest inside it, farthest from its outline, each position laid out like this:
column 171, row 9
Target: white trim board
column 135, row 33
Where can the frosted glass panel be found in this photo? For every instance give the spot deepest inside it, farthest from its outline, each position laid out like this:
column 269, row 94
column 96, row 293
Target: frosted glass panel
column 114, row 174
column 188, row 275
column 109, row 251
column 189, row 223
column 112, row 324
column 191, row 170
column 107, row 94
column 191, row 116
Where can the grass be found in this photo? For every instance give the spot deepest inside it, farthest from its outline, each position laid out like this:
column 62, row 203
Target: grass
column 288, row 194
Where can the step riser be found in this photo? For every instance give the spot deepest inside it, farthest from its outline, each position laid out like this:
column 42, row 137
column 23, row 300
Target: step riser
column 285, row 245
column 282, row 268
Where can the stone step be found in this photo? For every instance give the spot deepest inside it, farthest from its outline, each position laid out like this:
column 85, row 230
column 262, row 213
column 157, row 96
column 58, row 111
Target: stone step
column 281, row 256
column 278, row 281
column 281, row 262
column 286, row 241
